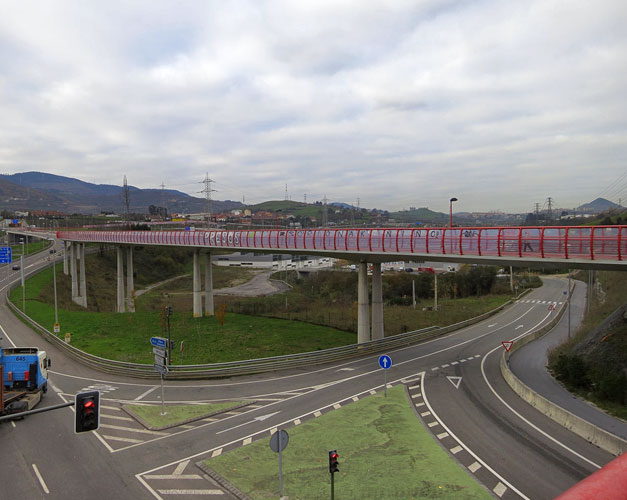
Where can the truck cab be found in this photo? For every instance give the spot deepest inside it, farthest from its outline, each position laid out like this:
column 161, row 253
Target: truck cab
column 25, row 369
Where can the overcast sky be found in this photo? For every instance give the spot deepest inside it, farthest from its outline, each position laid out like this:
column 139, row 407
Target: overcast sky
column 498, row 103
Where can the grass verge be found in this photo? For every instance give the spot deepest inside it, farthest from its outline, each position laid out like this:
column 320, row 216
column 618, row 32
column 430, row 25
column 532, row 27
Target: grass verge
column 385, row 453
column 150, row 415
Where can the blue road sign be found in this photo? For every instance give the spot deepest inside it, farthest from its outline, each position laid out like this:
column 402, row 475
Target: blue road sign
column 5, row 255
column 159, row 342
column 385, row 361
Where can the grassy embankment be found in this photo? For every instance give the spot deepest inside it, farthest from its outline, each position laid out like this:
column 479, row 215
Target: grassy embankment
column 595, row 367
column 384, row 453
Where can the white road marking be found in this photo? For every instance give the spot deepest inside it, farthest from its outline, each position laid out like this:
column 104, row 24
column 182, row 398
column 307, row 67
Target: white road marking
column 210, row 419
column 414, row 396
column 432, row 424
column 317, row 413
column 216, row 453
column 130, row 429
column 4, row 332
column 297, row 421
column 442, row 435
column 41, row 479
column 345, row 370
column 246, row 441
column 273, row 431
column 456, row 450
column 425, row 413
column 474, row 455
column 142, row 396
column 173, row 476
column 337, row 406
column 445, row 365
column 499, row 489
column 454, row 362
column 110, row 408
column 474, row 467
column 455, row 381
column 127, row 419
column 420, row 404
column 260, row 418
column 180, row 468
column 485, row 378
column 123, row 439
column 414, row 387
column 191, row 492
column 13, row 424
column 435, row 368
column 462, row 360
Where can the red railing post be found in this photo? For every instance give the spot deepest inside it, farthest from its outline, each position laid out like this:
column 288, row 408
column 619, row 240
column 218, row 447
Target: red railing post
column 566, row 243
column 520, row 232
column 542, row 242
column 498, row 241
column 461, row 249
column 620, row 232
column 479, row 243
column 591, row 243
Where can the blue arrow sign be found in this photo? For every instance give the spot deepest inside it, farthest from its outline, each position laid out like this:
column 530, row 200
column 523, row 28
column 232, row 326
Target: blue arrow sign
column 159, row 342
column 385, row 361
column 5, row 255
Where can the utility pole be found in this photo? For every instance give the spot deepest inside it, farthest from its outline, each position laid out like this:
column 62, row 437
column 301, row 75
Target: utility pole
column 163, row 200
column 286, row 197
column 325, row 211
column 207, row 192
column 126, row 198
column 549, row 203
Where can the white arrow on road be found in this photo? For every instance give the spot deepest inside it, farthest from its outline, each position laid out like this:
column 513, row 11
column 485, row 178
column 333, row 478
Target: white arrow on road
column 519, row 326
column 493, row 324
column 455, row 381
column 260, row 418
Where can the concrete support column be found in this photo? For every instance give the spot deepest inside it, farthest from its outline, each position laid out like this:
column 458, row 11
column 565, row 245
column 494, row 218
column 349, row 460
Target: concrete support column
column 130, row 284
column 363, row 305
column 66, row 249
column 208, row 285
column 83, row 277
column 73, row 272
column 377, row 302
column 196, row 285
column 120, row 280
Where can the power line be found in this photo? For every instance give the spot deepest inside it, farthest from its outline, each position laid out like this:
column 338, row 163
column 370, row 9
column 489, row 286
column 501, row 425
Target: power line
column 207, row 192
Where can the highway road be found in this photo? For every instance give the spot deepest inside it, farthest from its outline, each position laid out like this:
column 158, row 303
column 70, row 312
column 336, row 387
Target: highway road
column 511, row 448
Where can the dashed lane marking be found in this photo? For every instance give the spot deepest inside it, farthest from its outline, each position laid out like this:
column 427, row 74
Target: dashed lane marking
column 41, row 479
column 297, row 421
column 246, row 441
column 432, row 424
column 216, row 453
column 499, row 489
column 425, row 414
column 454, row 362
column 442, row 435
column 474, row 467
column 445, row 365
column 456, row 450
column 435, row 368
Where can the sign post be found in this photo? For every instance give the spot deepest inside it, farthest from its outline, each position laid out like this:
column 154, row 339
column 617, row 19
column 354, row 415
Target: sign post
column 159, row 349
column 278, row 442
column 385, row 362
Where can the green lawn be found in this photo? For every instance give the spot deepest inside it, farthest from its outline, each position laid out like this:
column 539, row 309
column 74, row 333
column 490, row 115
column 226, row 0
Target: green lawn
column 384, row 453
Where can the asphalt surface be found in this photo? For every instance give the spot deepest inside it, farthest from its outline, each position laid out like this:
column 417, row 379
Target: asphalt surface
column 520, row 452
column 529, row 365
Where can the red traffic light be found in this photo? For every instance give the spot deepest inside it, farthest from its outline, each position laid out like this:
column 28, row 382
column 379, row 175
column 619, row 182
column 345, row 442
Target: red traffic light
column 333, row 461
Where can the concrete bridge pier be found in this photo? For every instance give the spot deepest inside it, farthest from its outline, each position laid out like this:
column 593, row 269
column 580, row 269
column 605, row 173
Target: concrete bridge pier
column 196, row 285
column 377, row 302
column 130, row 284
column 83, row 278
column 363, row 305
column 120, row 295
column 209, row 311
column 73, row 272
column 66, row 248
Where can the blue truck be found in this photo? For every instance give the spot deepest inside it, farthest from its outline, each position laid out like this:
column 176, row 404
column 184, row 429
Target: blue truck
column 23, row 378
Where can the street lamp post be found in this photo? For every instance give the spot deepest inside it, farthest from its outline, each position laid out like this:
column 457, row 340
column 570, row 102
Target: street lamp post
column 451, row 211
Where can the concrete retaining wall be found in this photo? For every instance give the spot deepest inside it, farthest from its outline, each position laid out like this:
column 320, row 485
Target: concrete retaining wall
column 590, row 432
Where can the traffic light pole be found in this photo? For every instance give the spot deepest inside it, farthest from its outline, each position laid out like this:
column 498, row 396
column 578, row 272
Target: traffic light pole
column 38, row 410
column 332, row 486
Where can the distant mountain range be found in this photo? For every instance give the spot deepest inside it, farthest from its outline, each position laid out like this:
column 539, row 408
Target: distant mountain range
column 41, row 191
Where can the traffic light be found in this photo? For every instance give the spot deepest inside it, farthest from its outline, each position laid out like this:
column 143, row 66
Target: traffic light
column 87, row 415
column 333, row 463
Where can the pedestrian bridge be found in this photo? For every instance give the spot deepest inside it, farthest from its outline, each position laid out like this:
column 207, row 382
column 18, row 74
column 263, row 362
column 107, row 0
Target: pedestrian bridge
column 586, row 247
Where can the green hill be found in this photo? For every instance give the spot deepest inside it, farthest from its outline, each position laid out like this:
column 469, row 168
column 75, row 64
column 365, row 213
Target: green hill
column 419, row 215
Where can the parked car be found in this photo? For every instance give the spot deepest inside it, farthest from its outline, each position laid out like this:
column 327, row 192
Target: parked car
column 16, row 267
